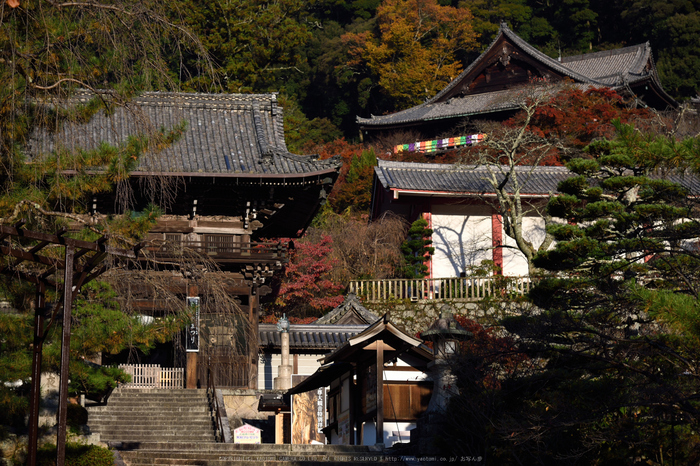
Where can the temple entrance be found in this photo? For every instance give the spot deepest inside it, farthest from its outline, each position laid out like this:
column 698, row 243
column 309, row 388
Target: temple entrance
column 224, row 351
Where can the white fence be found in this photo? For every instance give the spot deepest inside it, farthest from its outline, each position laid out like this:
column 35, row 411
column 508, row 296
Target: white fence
column 458, row 288
column 153, row 376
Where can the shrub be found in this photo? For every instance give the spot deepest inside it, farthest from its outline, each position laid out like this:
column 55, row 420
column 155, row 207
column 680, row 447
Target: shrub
column 77, row 454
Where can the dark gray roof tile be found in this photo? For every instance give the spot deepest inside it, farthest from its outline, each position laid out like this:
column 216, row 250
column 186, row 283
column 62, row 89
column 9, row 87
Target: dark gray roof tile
column 225, row 134
column 310, row 337
column 614, row 68
column 471, row 180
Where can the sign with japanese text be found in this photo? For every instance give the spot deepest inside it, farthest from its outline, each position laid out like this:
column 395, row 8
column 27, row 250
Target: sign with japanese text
column 192, row 332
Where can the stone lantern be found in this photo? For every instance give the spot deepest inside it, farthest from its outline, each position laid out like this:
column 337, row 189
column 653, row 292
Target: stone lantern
column 445, row 334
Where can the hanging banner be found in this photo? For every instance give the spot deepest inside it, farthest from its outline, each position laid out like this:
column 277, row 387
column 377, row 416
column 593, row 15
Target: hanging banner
column 308, row 414
column 192, row 337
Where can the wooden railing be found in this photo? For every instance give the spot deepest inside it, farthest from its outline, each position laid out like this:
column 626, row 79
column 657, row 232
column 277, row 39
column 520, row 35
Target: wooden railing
column 153, row 376
column 458, row 288
column 227, row 252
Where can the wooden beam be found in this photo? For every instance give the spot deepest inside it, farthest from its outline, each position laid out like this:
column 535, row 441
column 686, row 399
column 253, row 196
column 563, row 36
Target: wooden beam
column 65, row 358
column 380, row 393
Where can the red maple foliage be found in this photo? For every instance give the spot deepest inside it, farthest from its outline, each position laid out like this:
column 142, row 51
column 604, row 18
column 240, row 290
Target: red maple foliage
column 353, row 188
column 578, row 116
column 486, row 356
column 307, row 286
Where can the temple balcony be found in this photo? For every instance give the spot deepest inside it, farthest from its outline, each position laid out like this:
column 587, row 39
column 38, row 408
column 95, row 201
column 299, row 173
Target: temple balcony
column 221, row 252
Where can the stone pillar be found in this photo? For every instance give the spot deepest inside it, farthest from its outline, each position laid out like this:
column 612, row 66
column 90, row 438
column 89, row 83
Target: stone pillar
column 283, row 381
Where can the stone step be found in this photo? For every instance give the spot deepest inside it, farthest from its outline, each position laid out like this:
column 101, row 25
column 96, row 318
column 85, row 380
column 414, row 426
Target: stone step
column 227, row 454
column 157, row 391
column 154, row 416
column 243, row 461
column 154, row 408
column 129, row 403
column 153, row 432
column 272, row 448
column 175, row 438
column 199, row 421
column 184, row 396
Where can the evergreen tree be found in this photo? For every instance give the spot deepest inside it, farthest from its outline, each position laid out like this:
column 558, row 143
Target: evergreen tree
column 608, row 356
column 48, row 50
column 416, row 249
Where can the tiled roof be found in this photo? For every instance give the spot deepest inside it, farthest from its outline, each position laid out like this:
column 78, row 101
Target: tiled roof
column 349, row 311
column 226, row 134
column 449, row 178
column 614, row 68
column 455, row 107
column 528, row 49
column 309, row 337
column 466, row 179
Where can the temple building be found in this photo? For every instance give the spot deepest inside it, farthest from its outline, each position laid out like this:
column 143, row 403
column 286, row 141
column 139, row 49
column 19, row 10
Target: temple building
column 491, row 86
column 229, row 190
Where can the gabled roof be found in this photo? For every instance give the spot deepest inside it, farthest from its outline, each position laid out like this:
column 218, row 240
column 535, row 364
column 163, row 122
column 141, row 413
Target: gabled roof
column 350, row 312
column 239, row 135
column 395, row 342
column 433, row 179
column 361, row 349
column 468, row 95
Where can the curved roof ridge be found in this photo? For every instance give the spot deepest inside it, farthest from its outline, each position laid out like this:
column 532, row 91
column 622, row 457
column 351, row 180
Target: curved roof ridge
column 505, row 30
column 603, row 53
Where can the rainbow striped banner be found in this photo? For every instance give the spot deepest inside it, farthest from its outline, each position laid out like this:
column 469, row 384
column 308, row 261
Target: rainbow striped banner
column 440, row 144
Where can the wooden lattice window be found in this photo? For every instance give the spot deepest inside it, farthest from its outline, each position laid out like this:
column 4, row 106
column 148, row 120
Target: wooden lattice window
column 221, row 243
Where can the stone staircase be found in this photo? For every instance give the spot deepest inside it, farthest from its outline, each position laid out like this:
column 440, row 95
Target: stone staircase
column 149, row 415
column 174, row 428
column 230, row 454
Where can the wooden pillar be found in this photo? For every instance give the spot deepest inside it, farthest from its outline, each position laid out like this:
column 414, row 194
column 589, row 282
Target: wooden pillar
column 497, row 240
column 380, row 392
column 253, row 313
column 65, row 357
column 353, row 407
column 35, row 399
column 359, row 425
column 279, row 428
column 191, row 376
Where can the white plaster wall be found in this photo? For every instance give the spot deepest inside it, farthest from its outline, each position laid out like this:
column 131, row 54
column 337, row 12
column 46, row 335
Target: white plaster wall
column 394, row 432
column 407, row 375
column 461, row 238
column 268, row 365
column 514, row 262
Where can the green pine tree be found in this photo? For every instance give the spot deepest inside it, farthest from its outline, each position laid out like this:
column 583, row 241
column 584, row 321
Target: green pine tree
column 416, row 249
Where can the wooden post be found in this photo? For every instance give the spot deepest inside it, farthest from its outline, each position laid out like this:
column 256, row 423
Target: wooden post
column 279, row 427
column 380, row 392
column 39, row 314
column 252, row 339
column 191, row 377
column 353, row 406
column 65, row 357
